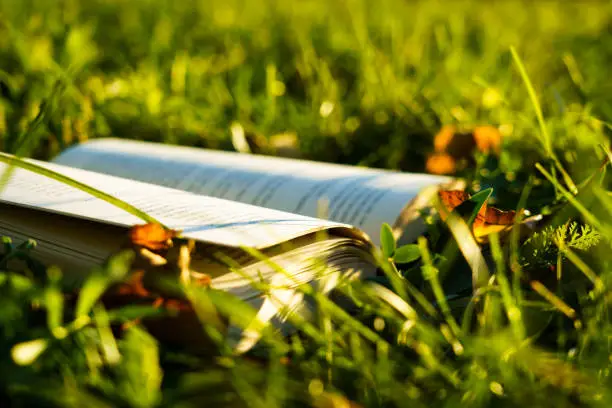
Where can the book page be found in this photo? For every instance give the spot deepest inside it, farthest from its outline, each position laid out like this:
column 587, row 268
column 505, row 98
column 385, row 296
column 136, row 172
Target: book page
column 202, row 218
column 73, row 244
column 77, row 245
column 357, row 196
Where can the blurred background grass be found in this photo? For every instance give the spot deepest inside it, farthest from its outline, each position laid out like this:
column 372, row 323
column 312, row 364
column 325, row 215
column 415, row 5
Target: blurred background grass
column 347, row 81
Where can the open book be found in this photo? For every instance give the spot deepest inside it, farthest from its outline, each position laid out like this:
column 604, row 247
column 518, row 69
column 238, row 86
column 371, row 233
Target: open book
column 223, row 201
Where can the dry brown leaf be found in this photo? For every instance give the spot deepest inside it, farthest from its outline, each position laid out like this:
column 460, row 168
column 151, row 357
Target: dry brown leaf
column 443, row 138
column 134, row 286
column 488, row 139
column 452, row 199
column 152, row 236
column 488, row 220
column 441, row 163
column 146, row 286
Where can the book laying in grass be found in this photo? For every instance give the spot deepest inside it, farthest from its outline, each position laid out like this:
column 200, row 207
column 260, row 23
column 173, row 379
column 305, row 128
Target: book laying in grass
column 361, row 197
column 224, row 202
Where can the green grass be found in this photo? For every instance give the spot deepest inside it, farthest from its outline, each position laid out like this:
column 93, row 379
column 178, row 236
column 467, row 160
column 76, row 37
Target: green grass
column 362, row 83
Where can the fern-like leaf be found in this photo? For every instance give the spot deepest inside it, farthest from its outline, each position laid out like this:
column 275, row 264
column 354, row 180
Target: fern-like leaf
column 542, row 248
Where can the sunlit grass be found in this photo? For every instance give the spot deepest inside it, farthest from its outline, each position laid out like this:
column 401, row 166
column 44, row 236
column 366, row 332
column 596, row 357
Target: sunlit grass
column 447, row 323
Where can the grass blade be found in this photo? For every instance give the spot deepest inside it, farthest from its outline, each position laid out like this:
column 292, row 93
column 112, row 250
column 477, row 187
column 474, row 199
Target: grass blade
column 538, row 111
column 534, row 101
column 588, row 216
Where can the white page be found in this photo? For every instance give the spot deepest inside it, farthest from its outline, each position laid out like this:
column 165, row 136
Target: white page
column 361, row 197
column 202, row 218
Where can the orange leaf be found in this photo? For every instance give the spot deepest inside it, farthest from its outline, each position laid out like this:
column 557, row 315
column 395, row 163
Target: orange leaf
column 496, row 216
column 489, row 219
column 453, row 198
column 152, row 236
column 488, row 139
column 444, row 137
column 134, row 286
column 440, row 163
